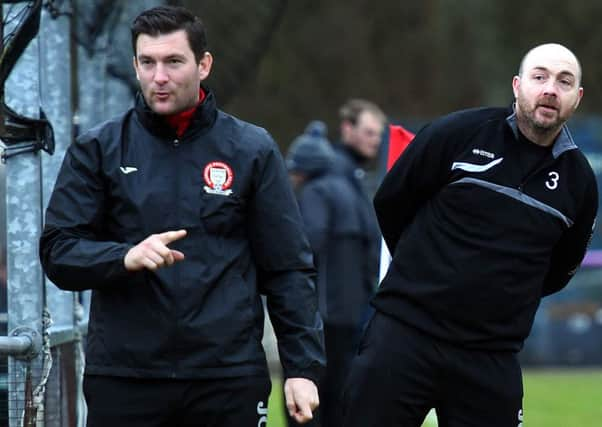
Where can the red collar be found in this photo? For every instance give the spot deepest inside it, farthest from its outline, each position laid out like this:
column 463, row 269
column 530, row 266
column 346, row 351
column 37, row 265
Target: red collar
column 180, row 121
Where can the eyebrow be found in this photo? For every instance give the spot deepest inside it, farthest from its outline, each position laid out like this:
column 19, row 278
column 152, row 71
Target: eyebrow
column 562, row 73
column 164, row 58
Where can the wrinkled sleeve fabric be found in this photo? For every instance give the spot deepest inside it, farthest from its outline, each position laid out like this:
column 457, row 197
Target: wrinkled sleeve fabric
column 570, row 250
column 72, row 250
column 285, row 267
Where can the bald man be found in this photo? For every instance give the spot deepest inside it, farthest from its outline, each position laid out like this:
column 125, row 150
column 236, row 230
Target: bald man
column 486, row 212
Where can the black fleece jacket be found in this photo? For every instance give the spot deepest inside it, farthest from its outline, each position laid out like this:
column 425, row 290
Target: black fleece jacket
column 481, row 225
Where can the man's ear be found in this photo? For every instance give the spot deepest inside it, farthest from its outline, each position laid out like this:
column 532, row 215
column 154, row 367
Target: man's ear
column 346, row 128
column 515, row 85
column 579, row 97
column 205, row 65
column 135, row 64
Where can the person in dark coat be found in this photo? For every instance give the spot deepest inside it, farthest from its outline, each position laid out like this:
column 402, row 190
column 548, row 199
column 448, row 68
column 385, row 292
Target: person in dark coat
column 178, row 217
column 344, row 238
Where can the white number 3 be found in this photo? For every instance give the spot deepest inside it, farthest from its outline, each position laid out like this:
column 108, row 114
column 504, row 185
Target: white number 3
column 552, row 183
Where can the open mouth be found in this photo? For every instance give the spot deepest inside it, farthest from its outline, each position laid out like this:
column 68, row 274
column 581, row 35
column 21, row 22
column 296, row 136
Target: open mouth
column 548, row 108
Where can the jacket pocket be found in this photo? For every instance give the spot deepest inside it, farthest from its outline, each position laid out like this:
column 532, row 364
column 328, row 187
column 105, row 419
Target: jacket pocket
column 222, row 215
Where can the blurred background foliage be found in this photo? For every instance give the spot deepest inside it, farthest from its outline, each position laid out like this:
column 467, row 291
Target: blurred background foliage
column 282, row 63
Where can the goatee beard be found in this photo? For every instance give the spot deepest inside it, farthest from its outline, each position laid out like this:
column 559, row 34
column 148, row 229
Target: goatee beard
column 537, row 131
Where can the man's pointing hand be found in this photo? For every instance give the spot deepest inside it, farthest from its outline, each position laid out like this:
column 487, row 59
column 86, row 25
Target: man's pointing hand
column 153, row 253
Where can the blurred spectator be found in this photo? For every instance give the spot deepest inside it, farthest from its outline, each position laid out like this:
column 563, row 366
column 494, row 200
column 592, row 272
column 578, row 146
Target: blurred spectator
column 342, row 230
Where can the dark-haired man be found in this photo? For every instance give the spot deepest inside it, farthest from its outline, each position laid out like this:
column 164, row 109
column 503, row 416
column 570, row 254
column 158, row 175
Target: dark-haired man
column 178, row 216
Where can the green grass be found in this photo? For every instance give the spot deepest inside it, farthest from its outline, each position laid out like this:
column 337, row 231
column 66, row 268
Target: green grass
column 553, row 398
column 276, row 405
column 562, row 398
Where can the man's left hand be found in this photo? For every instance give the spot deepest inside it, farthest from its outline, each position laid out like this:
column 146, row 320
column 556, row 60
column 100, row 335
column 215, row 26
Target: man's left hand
column 301, row 398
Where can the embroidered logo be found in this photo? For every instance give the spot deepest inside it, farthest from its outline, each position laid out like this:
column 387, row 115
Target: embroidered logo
column 218, row 176
column 520, row 418
column 127, row 169
column 483, row 153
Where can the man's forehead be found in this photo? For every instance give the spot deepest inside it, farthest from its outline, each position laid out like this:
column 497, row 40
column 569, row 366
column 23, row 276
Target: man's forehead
column 552, row 57
column 369, row 118
column 176, row 40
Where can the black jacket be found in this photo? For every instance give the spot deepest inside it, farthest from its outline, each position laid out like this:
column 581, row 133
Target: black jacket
column 481, row 227
column 343, row 233
column 224, row 182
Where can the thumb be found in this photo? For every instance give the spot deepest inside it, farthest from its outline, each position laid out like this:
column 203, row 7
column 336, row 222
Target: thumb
column 305, row 412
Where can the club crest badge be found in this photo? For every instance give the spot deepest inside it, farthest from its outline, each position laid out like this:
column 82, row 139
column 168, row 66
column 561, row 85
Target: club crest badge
column 218, row 176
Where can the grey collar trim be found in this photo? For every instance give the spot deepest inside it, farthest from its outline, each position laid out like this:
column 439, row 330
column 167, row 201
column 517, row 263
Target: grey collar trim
column 564, row 140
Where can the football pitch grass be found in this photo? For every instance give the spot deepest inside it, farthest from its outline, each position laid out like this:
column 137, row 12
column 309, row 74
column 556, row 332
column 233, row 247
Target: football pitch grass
column 553, row 398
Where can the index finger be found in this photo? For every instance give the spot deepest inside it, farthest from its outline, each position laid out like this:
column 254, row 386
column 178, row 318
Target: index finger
column 171, row 236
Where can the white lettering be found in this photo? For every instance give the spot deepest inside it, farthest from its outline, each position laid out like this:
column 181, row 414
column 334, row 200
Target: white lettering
column 262, row 412
column 552, row 183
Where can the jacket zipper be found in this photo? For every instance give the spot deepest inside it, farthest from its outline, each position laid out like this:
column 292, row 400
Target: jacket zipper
column 175, row 367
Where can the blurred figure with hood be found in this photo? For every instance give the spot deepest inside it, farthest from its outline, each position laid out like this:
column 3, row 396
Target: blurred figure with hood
column 344, row 238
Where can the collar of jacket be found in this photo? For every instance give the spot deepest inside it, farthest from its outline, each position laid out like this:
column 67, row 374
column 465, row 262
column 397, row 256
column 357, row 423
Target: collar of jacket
column 347, row 165
column 202, row 119
column 564, row 140
column 348, row 160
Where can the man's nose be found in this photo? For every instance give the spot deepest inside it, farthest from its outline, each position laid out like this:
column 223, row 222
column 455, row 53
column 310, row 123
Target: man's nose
column 550, row 88
column 161, row 75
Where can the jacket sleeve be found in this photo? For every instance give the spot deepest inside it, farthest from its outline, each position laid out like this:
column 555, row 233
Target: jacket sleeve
column 416, row 176
column 316, row 214
column 570, row 249
column 285, row 269
column 73, row 252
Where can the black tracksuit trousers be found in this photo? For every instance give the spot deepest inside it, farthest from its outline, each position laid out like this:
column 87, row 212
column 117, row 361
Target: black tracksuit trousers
column 400, row 373
column 136, row 402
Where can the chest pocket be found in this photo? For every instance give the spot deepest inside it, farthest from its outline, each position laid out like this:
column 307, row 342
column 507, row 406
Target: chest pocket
column 222, row 215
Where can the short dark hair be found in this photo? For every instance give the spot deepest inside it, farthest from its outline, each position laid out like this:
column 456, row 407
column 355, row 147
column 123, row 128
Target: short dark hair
column 167, row 19
column 351, row 110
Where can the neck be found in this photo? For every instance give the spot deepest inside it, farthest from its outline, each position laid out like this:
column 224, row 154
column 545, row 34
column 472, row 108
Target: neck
column 356, row 155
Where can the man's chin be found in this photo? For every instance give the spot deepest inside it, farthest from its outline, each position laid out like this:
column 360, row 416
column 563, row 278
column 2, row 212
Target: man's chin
column 162, row 109
column 547, row 125
column 547, row 121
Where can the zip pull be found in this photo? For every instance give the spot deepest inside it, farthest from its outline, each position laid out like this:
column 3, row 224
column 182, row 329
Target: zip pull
column 176, row 142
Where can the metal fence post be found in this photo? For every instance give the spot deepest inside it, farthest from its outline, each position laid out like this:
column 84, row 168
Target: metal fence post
column 55, row 76
column 55, row 85
column 23, row 224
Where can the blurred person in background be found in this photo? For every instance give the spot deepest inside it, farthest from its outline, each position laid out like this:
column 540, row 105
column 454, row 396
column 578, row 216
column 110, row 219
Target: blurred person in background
column 361, row 128
column 343, row 235
column 487, row 211
column 362, row 124
column 177, row 216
